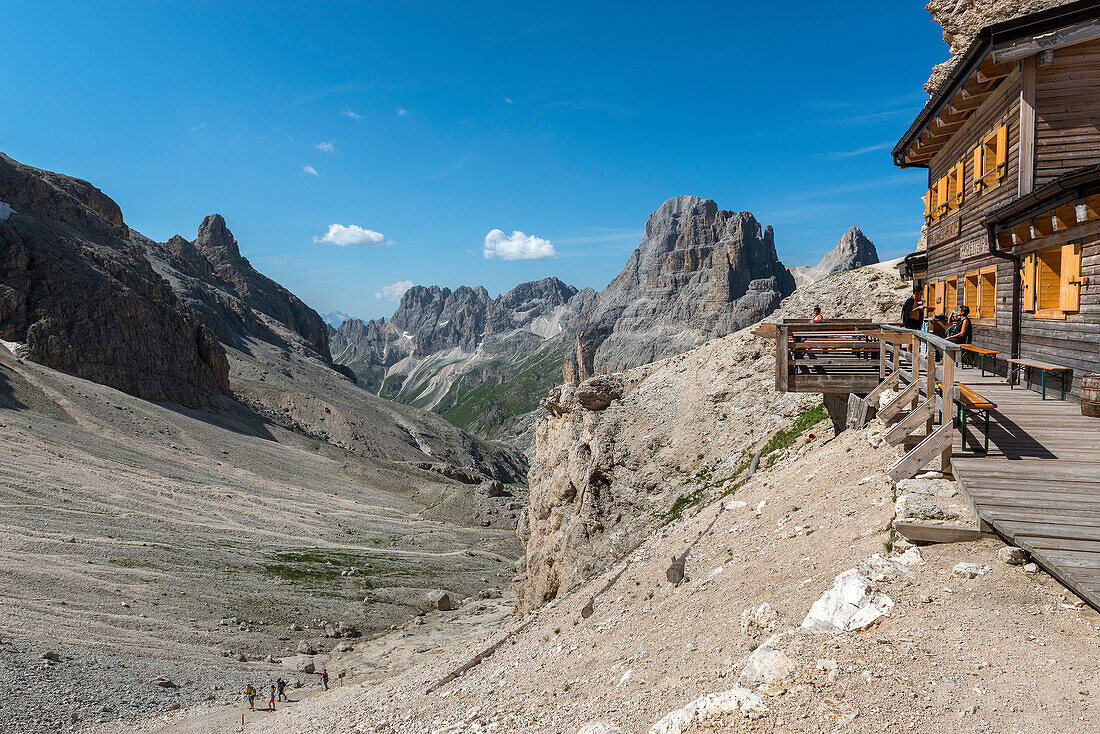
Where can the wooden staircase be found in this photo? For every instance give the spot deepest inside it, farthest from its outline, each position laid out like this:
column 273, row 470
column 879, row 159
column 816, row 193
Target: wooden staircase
column 919, row 417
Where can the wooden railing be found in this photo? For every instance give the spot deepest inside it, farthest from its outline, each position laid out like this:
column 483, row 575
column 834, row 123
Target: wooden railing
column 864, row 360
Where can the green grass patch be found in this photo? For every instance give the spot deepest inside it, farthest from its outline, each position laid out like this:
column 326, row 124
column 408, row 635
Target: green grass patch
column 785, row 439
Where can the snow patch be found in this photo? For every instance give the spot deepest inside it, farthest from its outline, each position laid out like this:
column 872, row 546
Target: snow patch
column 5, row 211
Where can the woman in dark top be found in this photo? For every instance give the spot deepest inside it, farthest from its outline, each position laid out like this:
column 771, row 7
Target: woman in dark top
column 960, row 332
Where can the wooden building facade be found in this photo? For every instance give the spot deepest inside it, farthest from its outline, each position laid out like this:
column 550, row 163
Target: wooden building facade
column 1011, row 141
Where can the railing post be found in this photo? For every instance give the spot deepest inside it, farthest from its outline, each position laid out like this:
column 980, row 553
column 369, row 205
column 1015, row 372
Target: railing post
column 881, row 360
column 781, row 369
column 947, row 417
column 897, row 356
column 916, row 359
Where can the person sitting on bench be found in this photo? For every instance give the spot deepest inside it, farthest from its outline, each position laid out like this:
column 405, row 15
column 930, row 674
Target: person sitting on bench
column 960, row 331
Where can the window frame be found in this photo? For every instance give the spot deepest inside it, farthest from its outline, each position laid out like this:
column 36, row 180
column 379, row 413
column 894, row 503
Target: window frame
column 991, row 159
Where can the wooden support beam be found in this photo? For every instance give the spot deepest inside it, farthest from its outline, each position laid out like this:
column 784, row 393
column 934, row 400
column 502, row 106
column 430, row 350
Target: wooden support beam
column 1004, row 239
column 947, row 417
column 989, row 71
column 1065, row 217
column 781, row 359
column 1092, row 208
column 920, row 533
column 1022, row 233
column 1021, row 48
column 1027, row 127
column 1043, row 225
column 967, row 103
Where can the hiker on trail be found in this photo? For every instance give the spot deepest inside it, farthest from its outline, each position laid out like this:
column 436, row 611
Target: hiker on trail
column 271, row 700
column 960, row 332
column 250, row 694
column 281, row 685
column 324, row 677
column 912, row 311
column 817, row 318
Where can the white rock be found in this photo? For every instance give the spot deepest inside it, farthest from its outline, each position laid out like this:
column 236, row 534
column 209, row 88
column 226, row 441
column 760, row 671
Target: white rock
column 969, row 570
column 600, row 727
column 762, row 617
column 749, row 704
column 911, row 557
column 768, row 667
column 879, row 568
column 736, row 504
column 920, row 507
column 849, row 605
column 760, row 507
column 1012, row 555
column 876, row 440
column 1031, row 568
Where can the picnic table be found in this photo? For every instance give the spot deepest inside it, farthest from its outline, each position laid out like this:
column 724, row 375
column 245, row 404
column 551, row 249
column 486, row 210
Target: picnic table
column 1015, row 366
column 983, row 352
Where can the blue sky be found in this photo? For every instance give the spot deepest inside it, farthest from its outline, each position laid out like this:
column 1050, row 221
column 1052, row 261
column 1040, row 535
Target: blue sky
column 420, row 128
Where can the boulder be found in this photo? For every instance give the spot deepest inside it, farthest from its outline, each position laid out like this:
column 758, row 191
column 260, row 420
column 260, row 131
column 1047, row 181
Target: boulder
column 306, row 666
column 344, row 647
column 851, row 604
column 920, row 507
column 440, row 601
column 743, row 701
column 1012, row 556
column 331, row 630
column 304, row 648
column 969, row 570
column 769, row 669
column 675, row 572
column 598, row 392
column 1031, row 568
column 494, row 488
column 489, row 593
column 52, row 656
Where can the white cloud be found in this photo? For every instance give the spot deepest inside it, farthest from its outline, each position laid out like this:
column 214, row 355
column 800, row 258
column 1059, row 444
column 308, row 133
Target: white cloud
column 352, row 114
column 328, row 147
column 507, row 100
column 860, row 151
column 517, row 246
column 393, row 291
column 310, row 170
column 352, row 235
column 402, row 111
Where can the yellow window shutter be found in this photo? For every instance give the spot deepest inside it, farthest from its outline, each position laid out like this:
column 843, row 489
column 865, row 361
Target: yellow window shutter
column 978, row 168
column 944, row 197
column 1071, row 278
column 1002, row 150
column 960, row 178
column 927, row 204
column 1029, row 281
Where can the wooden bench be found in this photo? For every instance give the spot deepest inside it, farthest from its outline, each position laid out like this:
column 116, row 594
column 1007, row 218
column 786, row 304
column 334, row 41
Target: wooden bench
column 982, row 352
column 1016, row 365
column 968, row 400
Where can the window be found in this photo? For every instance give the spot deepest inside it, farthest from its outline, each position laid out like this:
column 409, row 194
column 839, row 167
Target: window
column 932, row 205
column 991, row 159
column 970, row 292
column 951, row 294
column 980, row 293
column 1052, row 281
column 952, row 189
column 987, row 293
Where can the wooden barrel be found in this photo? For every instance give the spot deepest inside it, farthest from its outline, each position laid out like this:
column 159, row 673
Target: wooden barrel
column 1090, row 395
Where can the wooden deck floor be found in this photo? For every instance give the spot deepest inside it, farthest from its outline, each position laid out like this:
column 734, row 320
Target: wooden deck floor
column 1039, row 485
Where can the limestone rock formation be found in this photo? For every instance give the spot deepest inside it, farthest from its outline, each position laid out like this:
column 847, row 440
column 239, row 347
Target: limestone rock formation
column 233, row 298
column 79, row 292
column 606, row 475
column 962, row 19
column 854, row 250
column 698, row 273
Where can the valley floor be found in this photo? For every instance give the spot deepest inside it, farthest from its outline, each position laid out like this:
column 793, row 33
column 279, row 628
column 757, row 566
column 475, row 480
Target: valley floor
column 1006, row 651
column 140, row 543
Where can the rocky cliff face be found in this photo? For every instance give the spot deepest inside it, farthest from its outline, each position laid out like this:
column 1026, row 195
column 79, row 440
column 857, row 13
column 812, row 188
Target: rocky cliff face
column 699, row 272
column 855, row 250
column 962, row 19
column 80, row 294
column 233, row 298
column 620, row 454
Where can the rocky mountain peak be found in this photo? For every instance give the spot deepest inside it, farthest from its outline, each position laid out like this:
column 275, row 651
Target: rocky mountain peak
column 698, row 272
column 215, row 240
column 854, row 250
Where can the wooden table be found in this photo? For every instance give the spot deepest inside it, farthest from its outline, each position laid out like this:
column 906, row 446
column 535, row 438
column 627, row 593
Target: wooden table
column 1043, row 367
column 981, row 351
